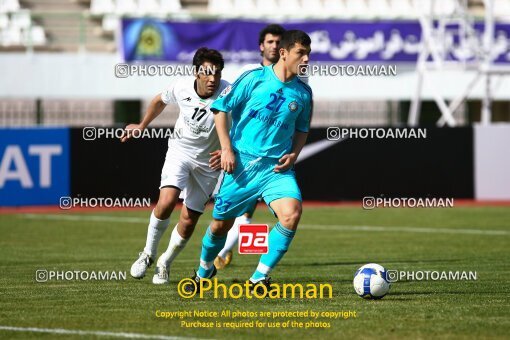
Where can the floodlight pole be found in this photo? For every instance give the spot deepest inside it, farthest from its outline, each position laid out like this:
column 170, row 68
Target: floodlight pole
column 488, row 41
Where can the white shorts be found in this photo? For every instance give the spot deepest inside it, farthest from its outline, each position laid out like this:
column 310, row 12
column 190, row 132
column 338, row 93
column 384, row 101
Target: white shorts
column 196, row 181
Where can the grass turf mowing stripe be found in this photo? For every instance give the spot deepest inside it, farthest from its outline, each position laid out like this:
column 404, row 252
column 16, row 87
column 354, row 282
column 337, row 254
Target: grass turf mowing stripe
column 407, row 229
column 319, row 227
column 413, row 309
column 95, row 333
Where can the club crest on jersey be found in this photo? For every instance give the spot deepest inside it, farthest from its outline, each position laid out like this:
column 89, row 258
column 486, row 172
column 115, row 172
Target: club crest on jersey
column 293, row 106
column 225, row 91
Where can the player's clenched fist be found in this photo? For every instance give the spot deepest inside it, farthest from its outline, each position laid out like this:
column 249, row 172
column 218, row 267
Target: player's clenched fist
column 131, row 129
column 228, row 160
column 286, row 162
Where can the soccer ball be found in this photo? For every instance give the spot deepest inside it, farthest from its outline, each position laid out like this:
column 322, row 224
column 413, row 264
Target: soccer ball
column 370, row 281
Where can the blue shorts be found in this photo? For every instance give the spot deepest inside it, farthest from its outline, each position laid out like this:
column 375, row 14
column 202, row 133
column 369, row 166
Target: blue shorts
column 253, row 178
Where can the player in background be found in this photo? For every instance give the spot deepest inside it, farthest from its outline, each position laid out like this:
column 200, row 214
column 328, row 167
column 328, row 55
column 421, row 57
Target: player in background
column 271, row 112
column 186, row 172
column 269, row 41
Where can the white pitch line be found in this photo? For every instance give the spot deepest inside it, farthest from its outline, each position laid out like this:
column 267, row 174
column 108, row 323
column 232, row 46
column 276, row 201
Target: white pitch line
column 95, row 333
column 406, row 229
column 86, row 218
column 100, row 218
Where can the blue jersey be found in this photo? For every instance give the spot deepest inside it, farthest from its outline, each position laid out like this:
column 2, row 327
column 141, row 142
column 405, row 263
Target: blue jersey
column 266, row 112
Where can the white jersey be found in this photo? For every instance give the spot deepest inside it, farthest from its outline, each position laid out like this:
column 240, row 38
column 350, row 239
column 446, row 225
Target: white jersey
column 195, row 121
column 250, row 67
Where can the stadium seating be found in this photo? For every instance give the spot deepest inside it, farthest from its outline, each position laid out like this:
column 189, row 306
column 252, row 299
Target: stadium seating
column 380, row 8
column 171, row 6
column 11, row 36
column 17, row 28
column 101, row 7
column 314, row 8
column 292, row 9
column 110, row 23
column 36, row 36
column 4, row 21
column 357, row 8
column 217, row 7
column 16, row 21
column 445, row 7
column 126, row 7
column 112, row 10
column 403, row 8
column 335, row 8
column 243, row 7
column 21, row 19
column 139, row 7
column 267, row 7
column 502, row 10
column 148, row 7
column 349, row 9
column 7, row 6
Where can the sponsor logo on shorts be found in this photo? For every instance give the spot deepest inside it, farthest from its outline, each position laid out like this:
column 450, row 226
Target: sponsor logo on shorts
column 253, row 238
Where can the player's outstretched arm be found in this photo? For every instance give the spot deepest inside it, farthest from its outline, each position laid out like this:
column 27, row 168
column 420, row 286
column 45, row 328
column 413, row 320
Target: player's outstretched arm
column 155, row 108
column 288, row 160
column 228, row 160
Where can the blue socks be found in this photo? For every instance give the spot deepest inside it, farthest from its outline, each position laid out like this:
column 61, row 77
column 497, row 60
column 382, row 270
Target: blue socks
column 211, row 246
column 279, row 241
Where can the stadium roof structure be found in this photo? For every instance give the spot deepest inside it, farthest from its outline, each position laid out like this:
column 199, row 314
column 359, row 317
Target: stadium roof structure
column 476, row 54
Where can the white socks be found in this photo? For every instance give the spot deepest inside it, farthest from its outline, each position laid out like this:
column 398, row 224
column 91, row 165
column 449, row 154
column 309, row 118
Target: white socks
column 233, row 235
column 177, row 243
column 156, row 229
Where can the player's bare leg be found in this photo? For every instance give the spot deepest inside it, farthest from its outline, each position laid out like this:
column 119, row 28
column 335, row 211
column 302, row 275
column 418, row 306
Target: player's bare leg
column 289, row 212
column 158, row 223
column 180, row 236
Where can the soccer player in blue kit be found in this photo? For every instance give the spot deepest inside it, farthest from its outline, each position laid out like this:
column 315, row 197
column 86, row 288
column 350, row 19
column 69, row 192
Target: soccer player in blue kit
column 271, row 111
column 269, row 40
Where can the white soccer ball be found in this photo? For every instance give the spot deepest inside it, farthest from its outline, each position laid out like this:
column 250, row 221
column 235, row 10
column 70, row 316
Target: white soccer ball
column 370, row 281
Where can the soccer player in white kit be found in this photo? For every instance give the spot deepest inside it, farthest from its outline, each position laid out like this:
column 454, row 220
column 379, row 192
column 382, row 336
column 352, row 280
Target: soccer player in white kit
column 269, row 40
column 186, row 172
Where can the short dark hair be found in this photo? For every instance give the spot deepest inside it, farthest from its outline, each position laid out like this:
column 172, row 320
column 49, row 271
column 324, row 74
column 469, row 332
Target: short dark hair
column 290, row 38
column 273, row 29
column 208, row 54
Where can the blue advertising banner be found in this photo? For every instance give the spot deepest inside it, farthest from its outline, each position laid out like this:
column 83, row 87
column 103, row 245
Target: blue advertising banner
column 34, row 166
column 148, row 39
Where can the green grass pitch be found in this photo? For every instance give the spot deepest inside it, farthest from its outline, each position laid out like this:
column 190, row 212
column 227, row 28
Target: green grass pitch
column 330, row 245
